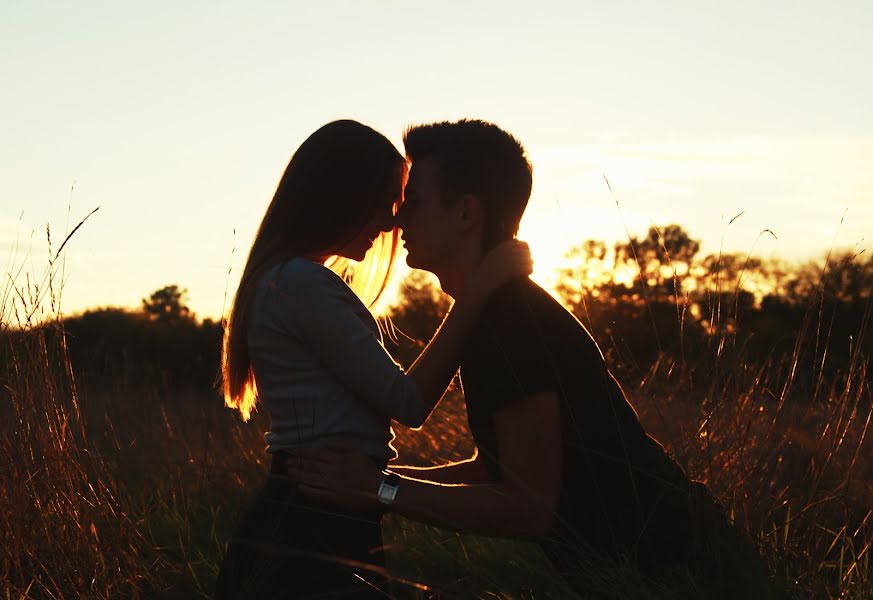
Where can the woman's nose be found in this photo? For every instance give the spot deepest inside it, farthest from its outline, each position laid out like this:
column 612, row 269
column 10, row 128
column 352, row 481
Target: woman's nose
column 399, row 220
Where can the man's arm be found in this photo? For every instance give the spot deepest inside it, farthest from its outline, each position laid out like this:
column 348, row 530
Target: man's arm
column 522, row 504
column 471, row 470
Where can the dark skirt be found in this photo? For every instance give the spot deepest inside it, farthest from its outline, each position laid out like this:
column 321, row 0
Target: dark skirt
column 286, row 546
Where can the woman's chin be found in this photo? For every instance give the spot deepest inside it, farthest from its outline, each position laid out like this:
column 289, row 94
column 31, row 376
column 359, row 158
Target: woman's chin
column 412, row 260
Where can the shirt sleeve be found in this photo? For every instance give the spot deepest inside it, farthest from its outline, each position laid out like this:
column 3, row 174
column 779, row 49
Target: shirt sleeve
column 319, row 310
column 512, row 349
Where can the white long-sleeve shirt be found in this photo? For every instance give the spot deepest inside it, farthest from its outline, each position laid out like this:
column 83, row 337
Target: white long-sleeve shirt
column 320, row 367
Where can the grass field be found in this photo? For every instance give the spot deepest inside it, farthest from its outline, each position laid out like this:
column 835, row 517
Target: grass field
column 116, row 490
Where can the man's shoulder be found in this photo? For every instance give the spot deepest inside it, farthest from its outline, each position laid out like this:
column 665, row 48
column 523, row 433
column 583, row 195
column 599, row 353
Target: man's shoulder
column 513, row 316
column 519, row 301
column 530, row 319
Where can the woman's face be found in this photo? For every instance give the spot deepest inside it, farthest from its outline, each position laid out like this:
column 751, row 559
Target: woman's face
column 381, row 222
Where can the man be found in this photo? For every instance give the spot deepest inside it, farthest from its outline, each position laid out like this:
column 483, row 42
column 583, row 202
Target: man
column 562, row 458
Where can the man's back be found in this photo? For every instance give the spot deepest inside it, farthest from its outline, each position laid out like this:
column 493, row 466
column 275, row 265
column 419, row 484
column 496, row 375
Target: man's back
column 620, row 492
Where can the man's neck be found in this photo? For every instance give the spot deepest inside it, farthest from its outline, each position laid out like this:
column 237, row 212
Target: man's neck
column 455, row 276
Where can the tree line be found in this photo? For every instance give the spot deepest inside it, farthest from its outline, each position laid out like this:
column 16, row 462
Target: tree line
column 641, row 299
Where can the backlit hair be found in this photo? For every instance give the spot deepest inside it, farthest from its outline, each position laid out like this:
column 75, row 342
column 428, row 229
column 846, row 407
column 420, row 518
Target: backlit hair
column 333, row 186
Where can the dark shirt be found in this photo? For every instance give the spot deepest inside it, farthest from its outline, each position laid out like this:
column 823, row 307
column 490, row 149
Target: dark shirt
column 620, row 491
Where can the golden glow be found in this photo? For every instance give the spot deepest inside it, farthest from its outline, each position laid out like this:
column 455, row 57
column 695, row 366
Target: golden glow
column 392, row 294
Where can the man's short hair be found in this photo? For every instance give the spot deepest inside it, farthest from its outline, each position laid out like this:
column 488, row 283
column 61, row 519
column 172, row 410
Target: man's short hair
column 477, row 157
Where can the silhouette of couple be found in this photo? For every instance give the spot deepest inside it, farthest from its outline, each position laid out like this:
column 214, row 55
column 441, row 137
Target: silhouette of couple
column 561, row 456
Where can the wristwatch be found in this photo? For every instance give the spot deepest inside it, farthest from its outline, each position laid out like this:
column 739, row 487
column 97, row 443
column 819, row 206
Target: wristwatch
column 388, row 487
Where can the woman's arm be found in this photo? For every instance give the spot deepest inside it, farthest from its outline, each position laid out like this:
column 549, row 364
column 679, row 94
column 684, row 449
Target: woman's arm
column 437, row 364
column 316, row 310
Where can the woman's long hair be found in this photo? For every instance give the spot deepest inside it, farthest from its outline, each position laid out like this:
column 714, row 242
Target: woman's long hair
column 334, row 185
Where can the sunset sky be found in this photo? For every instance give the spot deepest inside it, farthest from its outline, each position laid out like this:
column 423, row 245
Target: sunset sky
column 177, row 120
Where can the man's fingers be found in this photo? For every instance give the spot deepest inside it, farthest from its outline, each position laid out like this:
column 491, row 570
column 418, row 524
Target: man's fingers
column 317, row 454
column 310, row 477
column 307, row 469
column 311, row 491
column 341, row 448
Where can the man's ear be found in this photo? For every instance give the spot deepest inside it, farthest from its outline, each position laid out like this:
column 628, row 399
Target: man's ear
column 469, row 211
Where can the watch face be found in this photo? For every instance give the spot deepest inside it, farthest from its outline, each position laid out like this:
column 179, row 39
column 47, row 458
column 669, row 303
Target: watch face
column 387, row 491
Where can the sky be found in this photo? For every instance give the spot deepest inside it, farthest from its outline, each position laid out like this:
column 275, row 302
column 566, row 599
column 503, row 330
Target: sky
column 177, row 120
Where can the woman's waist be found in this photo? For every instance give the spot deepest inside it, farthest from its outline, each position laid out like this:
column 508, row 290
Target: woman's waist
column 314, row 421
column 281, row 491
column 281, row 460
column 376, row 444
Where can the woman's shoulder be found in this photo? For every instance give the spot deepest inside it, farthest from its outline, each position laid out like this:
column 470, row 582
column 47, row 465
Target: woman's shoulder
column 297, row 272
column 297, row 287
column 299, row 290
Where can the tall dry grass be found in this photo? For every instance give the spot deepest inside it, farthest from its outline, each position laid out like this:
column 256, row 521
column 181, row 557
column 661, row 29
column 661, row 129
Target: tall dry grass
column 63, row 528
column 117, row 490
column 113, row 490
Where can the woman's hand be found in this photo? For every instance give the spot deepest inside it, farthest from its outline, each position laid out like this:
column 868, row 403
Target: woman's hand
column 504, row 262
column 339, row 475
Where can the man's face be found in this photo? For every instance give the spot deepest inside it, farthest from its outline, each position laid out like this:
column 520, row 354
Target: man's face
column 430, row 230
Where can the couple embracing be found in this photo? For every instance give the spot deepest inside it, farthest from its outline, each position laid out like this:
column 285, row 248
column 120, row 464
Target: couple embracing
column 561, row 457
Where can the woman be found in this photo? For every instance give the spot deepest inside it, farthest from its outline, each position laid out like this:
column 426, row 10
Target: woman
column 301, row 341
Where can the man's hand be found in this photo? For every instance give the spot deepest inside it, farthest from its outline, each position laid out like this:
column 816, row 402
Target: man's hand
column 339, row 474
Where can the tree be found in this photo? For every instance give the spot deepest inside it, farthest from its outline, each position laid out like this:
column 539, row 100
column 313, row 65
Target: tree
column 587, row 271
column 845, row 278
column 166, row 305
column 665, row 255
column 724, row 277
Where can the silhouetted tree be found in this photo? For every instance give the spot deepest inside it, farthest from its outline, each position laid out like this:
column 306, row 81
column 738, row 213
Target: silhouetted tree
column 587, row 271
column 845, row 278
column 722, row 277
column 669, row 246
column 166, row 305
column 725, row 271
column 113, row 346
